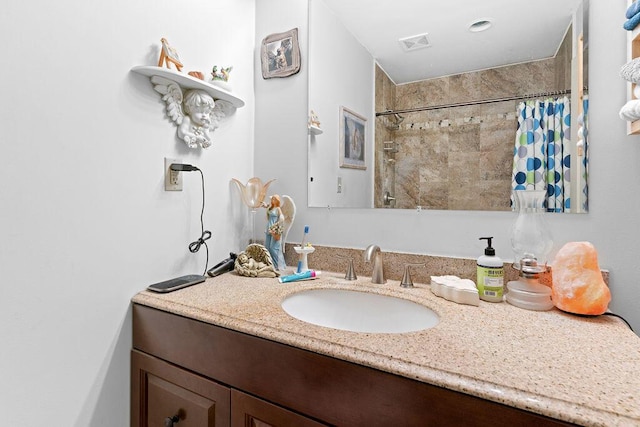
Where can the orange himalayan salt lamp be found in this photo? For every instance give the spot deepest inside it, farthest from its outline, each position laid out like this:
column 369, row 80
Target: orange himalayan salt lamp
column 578, row 286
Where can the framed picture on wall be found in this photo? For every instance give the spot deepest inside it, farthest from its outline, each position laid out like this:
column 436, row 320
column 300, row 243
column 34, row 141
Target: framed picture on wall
column 280, row 54
column 352, row 139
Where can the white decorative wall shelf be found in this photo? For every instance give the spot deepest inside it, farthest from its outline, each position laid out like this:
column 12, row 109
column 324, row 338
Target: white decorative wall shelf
column 314, row 130
column 188, row 82
column 193, row 105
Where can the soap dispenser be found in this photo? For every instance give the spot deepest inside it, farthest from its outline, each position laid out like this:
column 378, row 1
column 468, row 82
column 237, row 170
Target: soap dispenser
column 490, row 272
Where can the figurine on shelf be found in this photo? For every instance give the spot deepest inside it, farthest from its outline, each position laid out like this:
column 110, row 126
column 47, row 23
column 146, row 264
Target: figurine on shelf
column 221, row 78
column 275, row 229
column 313, row 119
column 199, row 115
column 196, row 74
column 223, row 74
column 168, row 56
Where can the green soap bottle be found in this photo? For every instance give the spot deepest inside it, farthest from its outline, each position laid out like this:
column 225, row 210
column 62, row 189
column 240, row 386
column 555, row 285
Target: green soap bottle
column 490, row 274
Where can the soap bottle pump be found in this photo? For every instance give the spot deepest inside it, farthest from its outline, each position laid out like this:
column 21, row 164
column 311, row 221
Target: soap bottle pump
column 490, row 272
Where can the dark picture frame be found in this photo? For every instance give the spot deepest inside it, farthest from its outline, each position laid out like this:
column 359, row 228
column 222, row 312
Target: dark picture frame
column 280, row 54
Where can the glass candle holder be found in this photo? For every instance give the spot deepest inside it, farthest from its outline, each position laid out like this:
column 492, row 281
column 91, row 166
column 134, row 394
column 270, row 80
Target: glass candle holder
column 530, row 234
column 531, row 242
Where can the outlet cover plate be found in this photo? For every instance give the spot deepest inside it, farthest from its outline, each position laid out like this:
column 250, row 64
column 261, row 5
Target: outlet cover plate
column 172, row 179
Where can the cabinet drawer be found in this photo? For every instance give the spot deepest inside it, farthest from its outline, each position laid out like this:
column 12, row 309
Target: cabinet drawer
column 161, row 390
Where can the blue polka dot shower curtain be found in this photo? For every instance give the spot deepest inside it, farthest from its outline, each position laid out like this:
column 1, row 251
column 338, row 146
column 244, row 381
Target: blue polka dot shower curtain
column 583, row 152
column 541, row 154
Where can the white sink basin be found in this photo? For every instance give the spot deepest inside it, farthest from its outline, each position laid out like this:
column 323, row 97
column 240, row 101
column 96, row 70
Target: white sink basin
column 359, row 311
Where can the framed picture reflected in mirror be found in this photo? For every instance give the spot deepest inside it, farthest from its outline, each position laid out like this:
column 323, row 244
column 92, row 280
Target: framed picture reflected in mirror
column 352, row 139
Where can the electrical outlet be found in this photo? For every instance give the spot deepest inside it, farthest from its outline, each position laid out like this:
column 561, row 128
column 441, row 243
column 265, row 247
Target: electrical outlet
column 172, row 179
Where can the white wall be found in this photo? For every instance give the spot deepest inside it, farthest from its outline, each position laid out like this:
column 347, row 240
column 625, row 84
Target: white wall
column 85, row 223
column 340, row 66
column 612, row 225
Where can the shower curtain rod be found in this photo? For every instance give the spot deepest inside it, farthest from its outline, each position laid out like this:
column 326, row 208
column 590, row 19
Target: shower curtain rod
column 485, row 101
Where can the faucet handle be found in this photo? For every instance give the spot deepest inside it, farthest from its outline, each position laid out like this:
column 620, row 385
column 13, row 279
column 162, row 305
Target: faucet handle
column 407, row 282
column 351, row 273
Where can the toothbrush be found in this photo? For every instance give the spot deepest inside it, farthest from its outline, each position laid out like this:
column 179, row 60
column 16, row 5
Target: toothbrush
column 304, row 236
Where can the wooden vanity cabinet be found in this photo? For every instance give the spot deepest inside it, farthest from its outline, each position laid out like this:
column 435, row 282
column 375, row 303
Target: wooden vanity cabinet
column 266, row 383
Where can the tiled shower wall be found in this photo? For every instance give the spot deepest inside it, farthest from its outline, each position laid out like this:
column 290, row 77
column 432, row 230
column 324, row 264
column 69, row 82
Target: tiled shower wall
column 458, row 158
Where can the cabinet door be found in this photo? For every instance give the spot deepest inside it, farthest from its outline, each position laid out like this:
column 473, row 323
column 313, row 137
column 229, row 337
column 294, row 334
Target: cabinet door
column 248, row 411
column 165, row 395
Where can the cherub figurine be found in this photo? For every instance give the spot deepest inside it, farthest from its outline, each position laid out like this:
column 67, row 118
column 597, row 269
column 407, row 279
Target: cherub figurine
column 194, row 129
column 255, row 261
column 195, row 112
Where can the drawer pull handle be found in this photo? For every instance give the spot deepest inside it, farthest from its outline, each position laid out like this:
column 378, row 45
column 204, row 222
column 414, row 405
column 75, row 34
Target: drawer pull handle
column 170, row 421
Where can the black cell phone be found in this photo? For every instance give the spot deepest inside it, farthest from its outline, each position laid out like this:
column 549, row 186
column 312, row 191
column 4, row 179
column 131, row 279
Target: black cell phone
column 177, row 283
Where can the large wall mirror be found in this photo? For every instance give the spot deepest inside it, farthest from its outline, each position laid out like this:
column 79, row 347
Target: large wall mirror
column 448, row 105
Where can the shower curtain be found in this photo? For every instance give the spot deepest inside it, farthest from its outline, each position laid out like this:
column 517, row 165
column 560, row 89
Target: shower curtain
column 583, row 133
column 541, row 154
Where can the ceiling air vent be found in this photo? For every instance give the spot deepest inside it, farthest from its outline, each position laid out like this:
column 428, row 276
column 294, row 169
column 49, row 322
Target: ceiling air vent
column 415, row 42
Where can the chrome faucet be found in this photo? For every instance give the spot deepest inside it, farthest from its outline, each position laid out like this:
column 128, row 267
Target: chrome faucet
column 377, row 276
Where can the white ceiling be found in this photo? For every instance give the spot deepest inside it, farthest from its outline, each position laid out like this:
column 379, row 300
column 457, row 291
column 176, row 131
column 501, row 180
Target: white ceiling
column 522, row 30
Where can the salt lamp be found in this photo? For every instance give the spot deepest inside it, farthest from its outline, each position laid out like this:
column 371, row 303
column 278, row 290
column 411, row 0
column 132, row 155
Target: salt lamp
column 578, row 286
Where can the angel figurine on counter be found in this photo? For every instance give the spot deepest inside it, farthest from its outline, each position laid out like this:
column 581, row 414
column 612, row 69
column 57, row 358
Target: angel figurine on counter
column 280, row 216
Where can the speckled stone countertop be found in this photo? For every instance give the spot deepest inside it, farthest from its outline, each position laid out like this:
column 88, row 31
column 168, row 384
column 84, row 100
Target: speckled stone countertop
column 584, row 370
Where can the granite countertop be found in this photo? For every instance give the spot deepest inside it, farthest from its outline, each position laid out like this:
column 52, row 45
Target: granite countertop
column 584, row 370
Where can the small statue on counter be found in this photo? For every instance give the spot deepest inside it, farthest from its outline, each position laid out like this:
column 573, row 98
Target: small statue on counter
column 275, row 228
column 280, row 216
column 255, row 261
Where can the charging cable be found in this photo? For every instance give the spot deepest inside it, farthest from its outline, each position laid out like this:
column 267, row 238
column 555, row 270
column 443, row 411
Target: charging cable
column 205, row 234
column 608, row 313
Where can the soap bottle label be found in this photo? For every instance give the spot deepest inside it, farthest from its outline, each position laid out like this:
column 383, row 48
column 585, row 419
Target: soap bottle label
column 491, row 283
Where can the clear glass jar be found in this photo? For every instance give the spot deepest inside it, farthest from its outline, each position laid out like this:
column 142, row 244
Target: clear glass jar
column 530, row 234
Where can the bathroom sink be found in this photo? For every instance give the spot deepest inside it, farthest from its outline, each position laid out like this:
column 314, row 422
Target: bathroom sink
column 359, row 311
